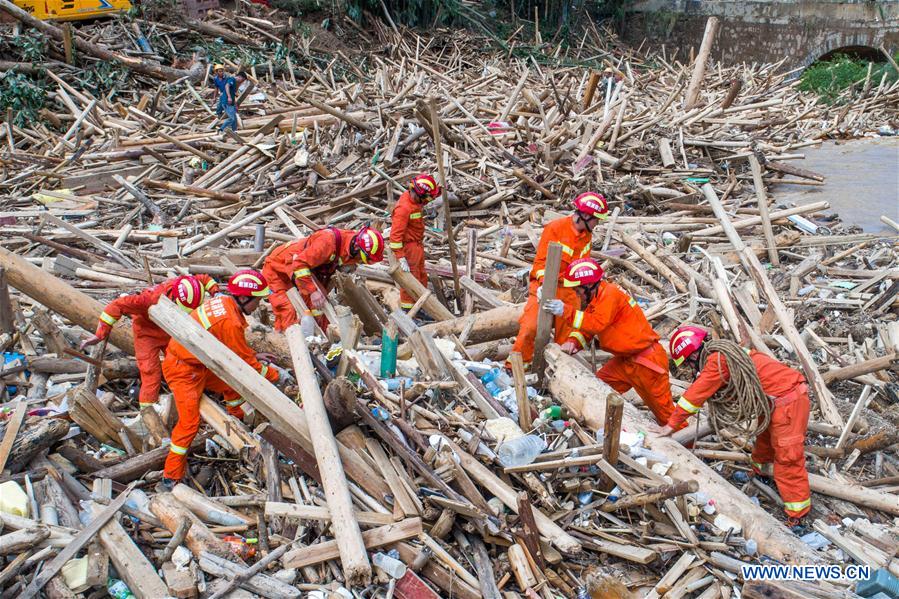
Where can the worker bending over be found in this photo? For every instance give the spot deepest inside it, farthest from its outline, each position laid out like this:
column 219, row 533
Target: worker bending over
column 150, row 341
column 310, row 262
column 407, row 231
column 575, row 234
column 782, row 441
column 609, row 315
column 224, row 317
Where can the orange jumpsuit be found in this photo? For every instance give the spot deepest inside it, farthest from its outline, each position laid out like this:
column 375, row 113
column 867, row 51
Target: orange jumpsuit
column 149, row 339
column 301, row 263
column 639, row 361
column 574, row 246
column 188, row 377
column 782, row 442
column 407, row 234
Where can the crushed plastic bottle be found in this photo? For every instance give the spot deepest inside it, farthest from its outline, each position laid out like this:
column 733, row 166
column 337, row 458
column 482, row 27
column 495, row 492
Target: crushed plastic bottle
column 117, row 589
column 393, row 384
column 750, row 547
column 496, row 380
column 521, row 451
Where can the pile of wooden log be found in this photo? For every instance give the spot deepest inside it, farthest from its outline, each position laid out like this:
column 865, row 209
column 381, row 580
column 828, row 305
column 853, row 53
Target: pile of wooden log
column 110, row 192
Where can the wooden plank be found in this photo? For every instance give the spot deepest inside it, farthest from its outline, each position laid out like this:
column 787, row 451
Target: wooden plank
column 545, row 319
column 353, row 556
column 322, row 513
column 759, row 184
column 377, row 537
column 12, row 429
column 521, row 391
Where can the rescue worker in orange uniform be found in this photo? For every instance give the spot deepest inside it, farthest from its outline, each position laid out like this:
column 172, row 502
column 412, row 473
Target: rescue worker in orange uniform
column 407, row 231
column 309, row 263
column 224, row 317
column 609, row 315
column 150, row 341
column 782, row 442
column 575, row 234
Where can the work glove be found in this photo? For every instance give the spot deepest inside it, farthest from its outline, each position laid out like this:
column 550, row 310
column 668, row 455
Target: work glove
column 92, row 340
column 284, row 376
column 404, row 264
column 570, row 347
column 554, row 307
column 540, row 293
column 317, row 299
column 265, row 356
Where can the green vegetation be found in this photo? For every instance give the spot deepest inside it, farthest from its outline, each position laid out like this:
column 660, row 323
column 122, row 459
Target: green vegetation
column 830, row 79
column 23, row 95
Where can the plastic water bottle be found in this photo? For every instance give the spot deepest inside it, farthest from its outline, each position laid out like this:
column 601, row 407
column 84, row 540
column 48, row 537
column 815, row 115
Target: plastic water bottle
column 307, row 325
column 393, row 567
column 750, row 547
column 496, row 380
column 521, row 451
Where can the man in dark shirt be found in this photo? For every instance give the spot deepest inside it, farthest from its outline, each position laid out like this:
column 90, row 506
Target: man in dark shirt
column 232, row 85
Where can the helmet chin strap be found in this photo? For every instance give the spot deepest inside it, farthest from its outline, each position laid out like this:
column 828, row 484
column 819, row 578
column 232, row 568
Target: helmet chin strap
column 242, row 301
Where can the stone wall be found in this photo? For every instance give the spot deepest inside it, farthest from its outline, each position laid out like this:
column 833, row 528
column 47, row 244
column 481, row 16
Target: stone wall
column 799, row 31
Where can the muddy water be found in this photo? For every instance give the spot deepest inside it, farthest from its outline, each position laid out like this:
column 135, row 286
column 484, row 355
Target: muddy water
column 862, row 181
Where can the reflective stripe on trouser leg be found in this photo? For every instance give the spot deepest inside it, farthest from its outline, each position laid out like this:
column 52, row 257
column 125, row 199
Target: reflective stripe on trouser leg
column 187, row 385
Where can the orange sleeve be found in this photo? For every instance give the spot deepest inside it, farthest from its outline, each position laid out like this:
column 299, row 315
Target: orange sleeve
column 318, row 251
column 127, row 305
column 399, row 220
column 232, row 335
column 714, row 374
column 596, row 318
column 209, row 284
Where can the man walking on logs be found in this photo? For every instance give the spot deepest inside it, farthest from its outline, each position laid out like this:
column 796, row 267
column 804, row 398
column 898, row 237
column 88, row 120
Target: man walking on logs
column 758, row 397
column 606, row 313
column 575, row 234
column 224, row 317
column 407, row 231
column 309, row 263
column 150, row 341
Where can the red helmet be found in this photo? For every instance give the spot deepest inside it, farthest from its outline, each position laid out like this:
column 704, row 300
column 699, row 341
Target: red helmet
column 686, row 341
column 248, row 283
column 187, row 292
column 425, row 186
column 593, row 204
column 585, row 271
column 370, row 244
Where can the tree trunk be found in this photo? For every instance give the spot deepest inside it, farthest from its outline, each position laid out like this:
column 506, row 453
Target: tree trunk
column 34, row 439
column 499, row 323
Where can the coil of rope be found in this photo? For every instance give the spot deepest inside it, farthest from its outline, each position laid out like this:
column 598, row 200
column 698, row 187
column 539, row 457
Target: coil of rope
column 741, row 405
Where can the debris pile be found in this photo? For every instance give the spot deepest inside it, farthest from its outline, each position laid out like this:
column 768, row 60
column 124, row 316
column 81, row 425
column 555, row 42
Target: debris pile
column 444, row 476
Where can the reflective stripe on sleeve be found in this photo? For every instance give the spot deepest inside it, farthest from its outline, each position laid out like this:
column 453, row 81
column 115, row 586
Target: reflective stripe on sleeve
column 108, row 319
column 301, row 272
column 235, row 402
column 567, row 250
column 540, row 273
column 210, row 284
column 585, row 251
column 686, row 405
column 262, row 371
column 204, row 319
column 415, row 215
column 578, row 319
column 177, row 450
column 580, row 338
column 396, row 245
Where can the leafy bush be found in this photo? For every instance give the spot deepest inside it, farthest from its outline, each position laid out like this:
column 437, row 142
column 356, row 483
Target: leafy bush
column 32, row 45
column 831, row 78
column 23, row 95
column 103, row 77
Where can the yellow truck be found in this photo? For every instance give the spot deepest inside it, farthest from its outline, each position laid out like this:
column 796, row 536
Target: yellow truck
column 73, row 10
